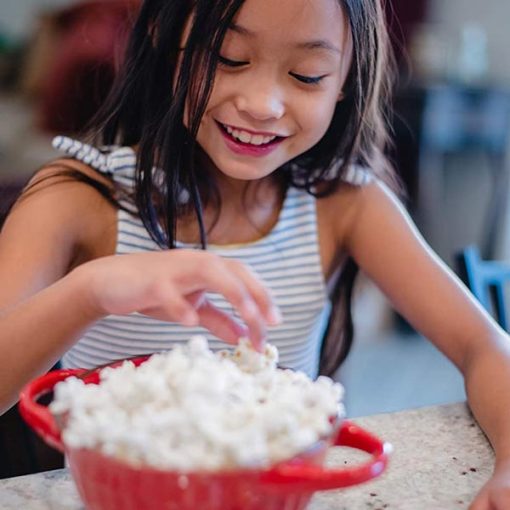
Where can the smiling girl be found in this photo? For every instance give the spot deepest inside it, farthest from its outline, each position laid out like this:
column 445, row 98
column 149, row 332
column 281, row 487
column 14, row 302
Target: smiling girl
column 235, row 181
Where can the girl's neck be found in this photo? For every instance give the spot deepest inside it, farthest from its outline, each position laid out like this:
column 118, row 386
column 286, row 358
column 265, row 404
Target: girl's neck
column 249, row 210
column 242, row 196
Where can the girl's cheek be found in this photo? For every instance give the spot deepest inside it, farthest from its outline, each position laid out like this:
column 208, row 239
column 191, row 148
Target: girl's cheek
column 225, row 87
column 317, row 113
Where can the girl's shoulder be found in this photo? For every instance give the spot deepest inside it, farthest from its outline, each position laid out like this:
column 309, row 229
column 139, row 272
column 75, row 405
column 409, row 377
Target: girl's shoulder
column 351, row 204
column 360, row 191
column 68, row 198
column 55, row 225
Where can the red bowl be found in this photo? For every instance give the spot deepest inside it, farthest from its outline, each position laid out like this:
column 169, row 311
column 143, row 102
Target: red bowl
column 105, row 483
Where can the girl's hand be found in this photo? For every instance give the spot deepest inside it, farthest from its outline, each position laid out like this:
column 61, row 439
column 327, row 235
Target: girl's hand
column 495, row 494
column 171, row 286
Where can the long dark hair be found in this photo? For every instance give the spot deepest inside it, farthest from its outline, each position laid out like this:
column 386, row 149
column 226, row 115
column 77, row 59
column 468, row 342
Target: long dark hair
column 144, row 109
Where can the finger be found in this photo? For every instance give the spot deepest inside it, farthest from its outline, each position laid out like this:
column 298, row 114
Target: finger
column 481, row 503
column 222, row 280
column 196, row 299
column 500, row 501
column 255, row 323
column 221, row 324
column 259, row 292
column 176, row 309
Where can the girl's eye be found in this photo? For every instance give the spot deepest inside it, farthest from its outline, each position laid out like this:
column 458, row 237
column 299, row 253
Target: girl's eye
column 231, row 63
column 309, row 80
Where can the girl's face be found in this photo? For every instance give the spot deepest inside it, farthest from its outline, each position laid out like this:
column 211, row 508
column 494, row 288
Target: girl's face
column 282, row 67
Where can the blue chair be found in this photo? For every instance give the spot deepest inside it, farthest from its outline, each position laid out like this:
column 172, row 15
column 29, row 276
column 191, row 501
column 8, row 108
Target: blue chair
column 486, row 279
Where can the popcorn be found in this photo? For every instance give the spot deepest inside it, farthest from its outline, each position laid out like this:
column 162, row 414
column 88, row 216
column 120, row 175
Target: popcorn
column 190, row 409
column 251, row 361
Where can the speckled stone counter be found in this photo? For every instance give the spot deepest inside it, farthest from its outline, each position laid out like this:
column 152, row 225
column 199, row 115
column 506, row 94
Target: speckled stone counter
column 440, row 461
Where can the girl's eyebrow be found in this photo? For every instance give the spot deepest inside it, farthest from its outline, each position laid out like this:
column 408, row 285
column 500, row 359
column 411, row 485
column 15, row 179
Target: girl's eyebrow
column 315, row 44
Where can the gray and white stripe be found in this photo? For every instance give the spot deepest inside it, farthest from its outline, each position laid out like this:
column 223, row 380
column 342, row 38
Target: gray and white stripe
column 287, row 259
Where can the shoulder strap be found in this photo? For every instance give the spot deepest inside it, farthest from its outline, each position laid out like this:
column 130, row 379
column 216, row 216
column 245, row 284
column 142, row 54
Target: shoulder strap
column 82, row 152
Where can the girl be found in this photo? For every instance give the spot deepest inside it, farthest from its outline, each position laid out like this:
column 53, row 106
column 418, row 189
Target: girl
column 240, row 132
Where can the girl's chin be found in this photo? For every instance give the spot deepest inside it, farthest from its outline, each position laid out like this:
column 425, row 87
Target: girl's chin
column 246, row 171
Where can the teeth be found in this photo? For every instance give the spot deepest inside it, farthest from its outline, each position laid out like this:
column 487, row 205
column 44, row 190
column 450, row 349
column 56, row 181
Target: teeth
column 243, row 136
column 246, row 137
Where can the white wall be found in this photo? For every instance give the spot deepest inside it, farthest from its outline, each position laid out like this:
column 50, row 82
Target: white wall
column 492, row 15
column 17, row 16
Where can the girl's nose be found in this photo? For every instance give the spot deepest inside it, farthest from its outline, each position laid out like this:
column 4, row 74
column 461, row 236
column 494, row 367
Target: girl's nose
column 261, row 102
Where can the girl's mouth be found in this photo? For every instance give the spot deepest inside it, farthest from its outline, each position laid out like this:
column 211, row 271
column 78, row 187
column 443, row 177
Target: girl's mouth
column 242, row 142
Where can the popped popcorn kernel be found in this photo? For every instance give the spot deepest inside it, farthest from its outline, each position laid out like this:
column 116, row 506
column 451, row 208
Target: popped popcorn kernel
column 190, row 409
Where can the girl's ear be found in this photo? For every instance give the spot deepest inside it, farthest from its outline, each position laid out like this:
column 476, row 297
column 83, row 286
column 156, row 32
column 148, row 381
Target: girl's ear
column 341, row 96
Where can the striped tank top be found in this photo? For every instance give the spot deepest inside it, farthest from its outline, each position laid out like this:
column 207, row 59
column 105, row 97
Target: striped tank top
column 287, row 260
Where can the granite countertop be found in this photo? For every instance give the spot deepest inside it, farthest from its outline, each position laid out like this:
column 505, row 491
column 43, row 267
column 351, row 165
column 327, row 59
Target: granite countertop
column 440, row 460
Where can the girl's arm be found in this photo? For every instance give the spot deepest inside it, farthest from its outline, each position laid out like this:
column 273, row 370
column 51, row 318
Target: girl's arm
column 388, row 248
column 45, row 304
column 47, row 233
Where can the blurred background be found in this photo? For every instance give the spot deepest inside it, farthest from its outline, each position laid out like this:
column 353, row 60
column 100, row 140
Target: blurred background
column 451, row 122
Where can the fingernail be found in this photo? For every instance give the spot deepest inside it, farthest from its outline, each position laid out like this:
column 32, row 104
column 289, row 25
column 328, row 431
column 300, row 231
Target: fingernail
column 242, row 331
column 275, row 316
